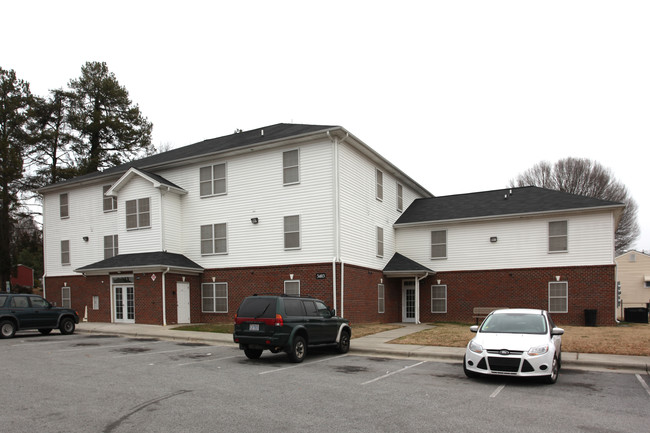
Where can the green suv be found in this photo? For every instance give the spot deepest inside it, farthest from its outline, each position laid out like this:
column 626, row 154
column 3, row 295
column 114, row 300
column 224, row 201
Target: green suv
column 21, row 311
column 290, row 324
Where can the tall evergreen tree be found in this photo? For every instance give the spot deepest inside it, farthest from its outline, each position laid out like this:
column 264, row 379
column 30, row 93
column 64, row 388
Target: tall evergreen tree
column 15, row 102
column 111, row 129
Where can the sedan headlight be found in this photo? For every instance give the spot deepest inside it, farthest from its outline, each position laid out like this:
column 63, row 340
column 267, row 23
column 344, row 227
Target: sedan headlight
column 536, row 351
column 475, row 347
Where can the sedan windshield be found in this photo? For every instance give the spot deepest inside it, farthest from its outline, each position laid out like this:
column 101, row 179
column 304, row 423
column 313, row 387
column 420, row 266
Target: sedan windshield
column 515, row 324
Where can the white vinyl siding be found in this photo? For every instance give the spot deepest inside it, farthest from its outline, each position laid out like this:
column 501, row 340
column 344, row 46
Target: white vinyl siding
column 439, row 298
column 292, row 287
column 522, row 243
column 214, row 239
column 110, row 246
column 558, row 297
column 138, row 214
column 381, row 298
column 558, row 236
column 439, row 244
column 213, row 180
column 64, row 208
column 65, row 252
column 214, row 297
column 109, row 203
column 291, row 167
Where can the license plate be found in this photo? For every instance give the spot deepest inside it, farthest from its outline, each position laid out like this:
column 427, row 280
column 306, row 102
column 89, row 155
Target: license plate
column 254, row 327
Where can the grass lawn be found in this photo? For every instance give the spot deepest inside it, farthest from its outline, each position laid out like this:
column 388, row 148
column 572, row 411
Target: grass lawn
column 624, row 339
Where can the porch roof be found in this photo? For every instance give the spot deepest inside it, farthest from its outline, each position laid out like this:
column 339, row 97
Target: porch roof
column 400, row 265
column 156, row 261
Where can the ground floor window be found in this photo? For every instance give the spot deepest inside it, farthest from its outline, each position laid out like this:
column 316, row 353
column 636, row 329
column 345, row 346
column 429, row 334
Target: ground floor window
column 292, row 287
column 214, row 297
column 439, row 298
column 65, row 297
column 558, row 297
column 381, row 298
column 95, row 302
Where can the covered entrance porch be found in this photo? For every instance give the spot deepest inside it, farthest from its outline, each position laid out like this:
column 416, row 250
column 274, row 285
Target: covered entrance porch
column 411, row 275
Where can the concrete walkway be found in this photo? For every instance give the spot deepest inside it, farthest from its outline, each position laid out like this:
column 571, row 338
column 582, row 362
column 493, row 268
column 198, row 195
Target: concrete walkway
column 373, row 345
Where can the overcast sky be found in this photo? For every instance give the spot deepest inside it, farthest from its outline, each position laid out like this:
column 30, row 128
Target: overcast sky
column 460, row 95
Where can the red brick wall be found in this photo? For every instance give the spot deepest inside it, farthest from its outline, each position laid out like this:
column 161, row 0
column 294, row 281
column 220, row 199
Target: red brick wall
column 589, row 288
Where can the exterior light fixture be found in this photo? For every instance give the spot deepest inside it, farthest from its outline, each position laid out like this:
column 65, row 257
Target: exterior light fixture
column 85, row 238
column 255, row 220
column 493, row 239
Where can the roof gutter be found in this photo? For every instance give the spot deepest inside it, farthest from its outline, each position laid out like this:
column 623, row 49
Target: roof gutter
column 164, row 305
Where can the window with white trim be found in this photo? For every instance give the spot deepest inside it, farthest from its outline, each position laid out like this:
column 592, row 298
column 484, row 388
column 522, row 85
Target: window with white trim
column 212, row 180
column 65, row 252
column 95, row 302
column 381, row 298
column 439, row 244
column 214, row 239
column 214, row 297
column 558, row 236
column 66, row 301
column 291, row 167
column 379, row 184
column 110, row 246
column 439, row 298
column 110, row 202
column 291, row 232
column 292, row 287
column 558, row 297
column 400, row 197
column 380, row 242
column 64, row 207
column 138, row 214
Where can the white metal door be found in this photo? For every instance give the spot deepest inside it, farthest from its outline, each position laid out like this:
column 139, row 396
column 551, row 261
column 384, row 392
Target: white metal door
column 408, row 301
column 183, row 299
column 124, row 304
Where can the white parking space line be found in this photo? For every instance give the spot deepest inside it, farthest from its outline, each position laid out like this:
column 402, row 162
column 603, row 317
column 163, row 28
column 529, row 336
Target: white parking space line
column 208, row 359
column 643, row 384
column 497, row 391
column 302, row 364
column 392, row 372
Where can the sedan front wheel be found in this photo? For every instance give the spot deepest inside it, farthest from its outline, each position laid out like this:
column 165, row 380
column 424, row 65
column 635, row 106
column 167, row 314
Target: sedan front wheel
column 552, row 378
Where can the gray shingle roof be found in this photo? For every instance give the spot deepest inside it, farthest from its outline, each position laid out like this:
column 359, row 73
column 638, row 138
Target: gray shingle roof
column 208, row 147
column 161, row 259
column 400, row 263
column 502, row 202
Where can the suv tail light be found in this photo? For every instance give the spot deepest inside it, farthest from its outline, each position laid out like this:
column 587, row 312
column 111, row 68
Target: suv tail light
column 278, row 320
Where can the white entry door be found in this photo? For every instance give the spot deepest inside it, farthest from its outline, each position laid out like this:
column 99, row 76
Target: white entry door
column 124, row 297
column 183, row 299
column 408, row 301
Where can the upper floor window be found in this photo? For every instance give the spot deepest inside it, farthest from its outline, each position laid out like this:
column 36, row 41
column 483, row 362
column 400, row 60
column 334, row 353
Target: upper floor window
column 291, row 167
column 558, row 297
column 439, row 298
column 110, row 203
column 379, row 184
column 214, row 239
column 64, row 211
column 380, row 242
column 557, row 236
column 400, row 197
column 292, row 232
column 65, row 252
column 138, row 214
column 110, row 246
column 213, row 180
column 439, row 244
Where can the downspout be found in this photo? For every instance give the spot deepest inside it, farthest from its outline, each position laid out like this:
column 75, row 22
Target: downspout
column 334, row 281
column 342, row 286
column 162, row 221
column 336, row 197
column 164, row 306
column 43, row 282
column 417, row 296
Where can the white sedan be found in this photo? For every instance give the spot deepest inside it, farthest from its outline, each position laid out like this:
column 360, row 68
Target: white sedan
column 515, row 342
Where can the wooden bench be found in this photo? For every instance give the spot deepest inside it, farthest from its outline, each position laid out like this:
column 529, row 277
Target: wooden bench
column 482, row 312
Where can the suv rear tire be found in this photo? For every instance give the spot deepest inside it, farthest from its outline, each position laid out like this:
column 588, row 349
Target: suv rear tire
column 343, row 345
column 253, row 353
column 7, row 329
column 298, row 349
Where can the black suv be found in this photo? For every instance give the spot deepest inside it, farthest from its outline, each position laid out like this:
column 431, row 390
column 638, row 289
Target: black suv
column 20, row 311
column 290, row 324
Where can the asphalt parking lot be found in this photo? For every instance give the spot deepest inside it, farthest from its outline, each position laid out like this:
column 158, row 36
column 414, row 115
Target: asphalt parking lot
column 103, row 383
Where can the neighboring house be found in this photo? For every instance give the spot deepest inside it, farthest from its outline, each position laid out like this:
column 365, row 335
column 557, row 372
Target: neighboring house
column 22, row 276
column 633, row 274
column 183, row 236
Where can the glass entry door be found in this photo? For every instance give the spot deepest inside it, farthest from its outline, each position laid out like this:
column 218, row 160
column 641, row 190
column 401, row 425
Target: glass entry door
column 124, row 304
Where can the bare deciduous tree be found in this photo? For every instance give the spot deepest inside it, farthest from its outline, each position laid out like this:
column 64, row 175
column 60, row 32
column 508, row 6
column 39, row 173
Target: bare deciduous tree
column 585, row 177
